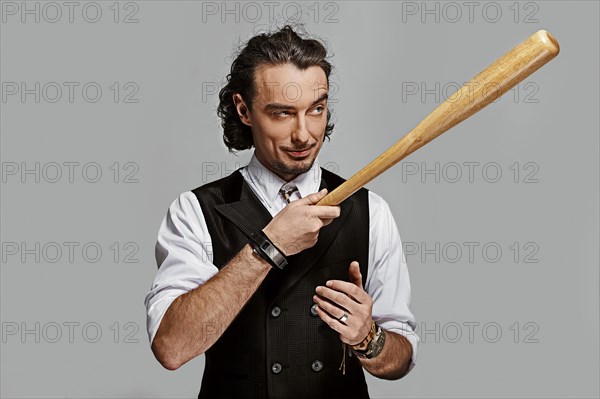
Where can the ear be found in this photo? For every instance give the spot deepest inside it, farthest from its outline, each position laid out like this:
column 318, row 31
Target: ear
column 242, row 109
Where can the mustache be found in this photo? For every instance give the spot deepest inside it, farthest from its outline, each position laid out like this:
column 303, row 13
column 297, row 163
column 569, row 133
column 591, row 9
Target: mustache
column 300, row 149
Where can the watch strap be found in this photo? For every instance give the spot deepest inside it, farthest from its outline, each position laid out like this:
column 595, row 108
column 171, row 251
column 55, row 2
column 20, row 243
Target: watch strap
column 374, row 347
column 265, row 248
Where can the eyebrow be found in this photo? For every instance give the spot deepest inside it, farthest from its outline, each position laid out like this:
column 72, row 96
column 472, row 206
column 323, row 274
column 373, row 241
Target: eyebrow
column 277, row 106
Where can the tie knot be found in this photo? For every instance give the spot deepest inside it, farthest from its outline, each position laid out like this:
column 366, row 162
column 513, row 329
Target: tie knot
column 286, row 191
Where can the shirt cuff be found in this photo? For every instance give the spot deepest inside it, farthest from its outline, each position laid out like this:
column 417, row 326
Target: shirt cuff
column 157, row 308
column 412, row 337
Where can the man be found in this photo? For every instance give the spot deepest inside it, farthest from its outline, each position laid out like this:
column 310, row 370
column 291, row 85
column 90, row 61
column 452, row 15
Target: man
column 286, row 299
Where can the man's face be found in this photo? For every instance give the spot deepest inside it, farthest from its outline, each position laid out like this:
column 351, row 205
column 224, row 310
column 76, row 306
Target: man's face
column 288, row 117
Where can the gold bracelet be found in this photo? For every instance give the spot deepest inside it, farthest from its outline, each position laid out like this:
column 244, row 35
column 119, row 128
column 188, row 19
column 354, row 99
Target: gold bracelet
column 375, row 346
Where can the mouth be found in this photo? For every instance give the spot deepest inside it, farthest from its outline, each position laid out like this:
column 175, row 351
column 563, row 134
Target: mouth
column 300, row 153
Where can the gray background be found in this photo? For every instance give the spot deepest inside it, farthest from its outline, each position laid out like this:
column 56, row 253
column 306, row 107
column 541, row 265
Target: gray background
column 533, row 311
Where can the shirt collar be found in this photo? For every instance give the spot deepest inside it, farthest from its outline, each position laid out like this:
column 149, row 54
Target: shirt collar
column 268, row 183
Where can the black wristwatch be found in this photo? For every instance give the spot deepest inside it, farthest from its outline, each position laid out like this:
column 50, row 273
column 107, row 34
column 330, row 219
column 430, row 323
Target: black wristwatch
column 267, row 250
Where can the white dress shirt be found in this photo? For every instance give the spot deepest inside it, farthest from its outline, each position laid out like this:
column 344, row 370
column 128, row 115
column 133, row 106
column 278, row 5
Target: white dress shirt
column 184, row 252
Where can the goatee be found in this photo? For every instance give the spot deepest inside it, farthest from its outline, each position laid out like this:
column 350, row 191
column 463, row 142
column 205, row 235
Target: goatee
column 284, row 169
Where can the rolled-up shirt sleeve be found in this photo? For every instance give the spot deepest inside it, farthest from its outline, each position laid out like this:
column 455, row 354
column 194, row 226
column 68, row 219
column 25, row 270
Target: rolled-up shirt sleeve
column 183, row 254
column 388, row 282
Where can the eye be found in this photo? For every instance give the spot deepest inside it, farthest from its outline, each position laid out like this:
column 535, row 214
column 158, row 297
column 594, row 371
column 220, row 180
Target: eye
column 281, row 113
column 319, row 109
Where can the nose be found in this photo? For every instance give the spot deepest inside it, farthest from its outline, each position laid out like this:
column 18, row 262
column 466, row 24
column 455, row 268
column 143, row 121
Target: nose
column 301, row 135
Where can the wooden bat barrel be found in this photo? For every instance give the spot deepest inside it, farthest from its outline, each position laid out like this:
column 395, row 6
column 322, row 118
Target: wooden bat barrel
column 483, row 89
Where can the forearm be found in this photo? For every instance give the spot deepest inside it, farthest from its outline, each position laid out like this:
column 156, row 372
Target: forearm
column 393, row 361
column 196, row 319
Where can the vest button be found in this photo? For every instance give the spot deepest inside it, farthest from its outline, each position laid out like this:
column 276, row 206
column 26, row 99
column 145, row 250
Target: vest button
column 276, row 311
column 317, row 365
column 313, row 310
column 276, row 368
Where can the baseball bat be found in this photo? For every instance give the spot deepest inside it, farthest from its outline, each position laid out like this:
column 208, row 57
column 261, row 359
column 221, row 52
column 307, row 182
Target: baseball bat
column 483, row 89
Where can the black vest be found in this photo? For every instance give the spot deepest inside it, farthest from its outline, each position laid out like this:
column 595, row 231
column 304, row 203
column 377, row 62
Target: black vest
column 276, row 347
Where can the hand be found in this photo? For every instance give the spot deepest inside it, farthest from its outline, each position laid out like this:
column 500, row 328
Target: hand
column 297, row 226
column 349, row 297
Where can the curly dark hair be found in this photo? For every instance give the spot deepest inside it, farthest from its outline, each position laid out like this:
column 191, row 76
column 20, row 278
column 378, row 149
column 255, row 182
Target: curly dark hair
column 274, row 48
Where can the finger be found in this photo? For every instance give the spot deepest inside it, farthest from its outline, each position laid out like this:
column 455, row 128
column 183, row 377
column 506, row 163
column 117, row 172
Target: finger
column 333, row 323
column 313, row 198
column 354, row 274
column 335, row 311
column 326, row 211
column 344, row 289
column 326, row 221
column 348, row 299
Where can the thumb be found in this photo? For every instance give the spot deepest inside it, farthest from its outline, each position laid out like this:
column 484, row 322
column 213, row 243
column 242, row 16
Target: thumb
column 313, row 198
column 355, row 275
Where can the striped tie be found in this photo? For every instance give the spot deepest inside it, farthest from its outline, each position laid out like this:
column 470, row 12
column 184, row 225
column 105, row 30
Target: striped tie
column 287, row 190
